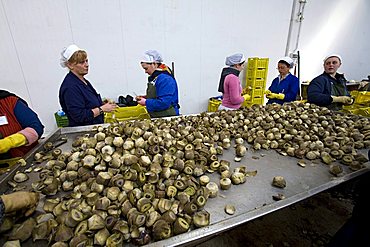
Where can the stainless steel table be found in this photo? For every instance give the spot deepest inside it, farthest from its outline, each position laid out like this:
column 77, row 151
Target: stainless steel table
column 252, row 199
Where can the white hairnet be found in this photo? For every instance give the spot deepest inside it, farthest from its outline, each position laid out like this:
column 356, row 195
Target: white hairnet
column 288, row 60
column 234, row 59
column 333, row 55
column 67, row 53
column 152, row 56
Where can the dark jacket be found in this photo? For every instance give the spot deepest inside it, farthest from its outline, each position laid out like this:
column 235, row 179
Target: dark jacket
column 321, row 89
column 225, row 72
column 78, row 99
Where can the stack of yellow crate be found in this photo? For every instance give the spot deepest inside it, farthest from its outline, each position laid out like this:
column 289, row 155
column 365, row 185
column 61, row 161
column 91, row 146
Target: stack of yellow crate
column 255, row 84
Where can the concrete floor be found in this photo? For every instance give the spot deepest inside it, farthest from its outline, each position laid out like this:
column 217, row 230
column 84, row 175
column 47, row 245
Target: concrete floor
column 309, row 223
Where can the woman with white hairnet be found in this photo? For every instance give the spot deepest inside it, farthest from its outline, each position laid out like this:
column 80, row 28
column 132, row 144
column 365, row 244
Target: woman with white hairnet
column 329, row 89
column 78, row 98
column 162, row 97
column 230, row 85
column 285, row 87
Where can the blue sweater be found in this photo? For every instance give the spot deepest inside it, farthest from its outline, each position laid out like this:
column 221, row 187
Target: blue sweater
column 78, row 100
column 28, row 118
column 167, row 94
column 289, row 86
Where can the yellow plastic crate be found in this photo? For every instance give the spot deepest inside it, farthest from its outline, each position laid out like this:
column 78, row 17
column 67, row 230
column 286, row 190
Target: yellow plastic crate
column 352, row 110
column 254, row 101
column 257, row 92
column 126, row 113
column 258, row 63
column 257, row 100
column 354, row 93
column 214, row 103
column 362, row 97
column 256, row 83
column 357, row 110
column 365, row 111
column 257, row 73
column 347, row 108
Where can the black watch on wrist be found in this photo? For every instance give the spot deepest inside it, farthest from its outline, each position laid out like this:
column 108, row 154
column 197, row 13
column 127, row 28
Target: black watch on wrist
column 100, row 111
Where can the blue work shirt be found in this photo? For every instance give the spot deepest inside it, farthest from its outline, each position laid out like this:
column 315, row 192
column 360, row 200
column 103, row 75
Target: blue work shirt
column 78, row 99
column 167, row 94
column 289, row 86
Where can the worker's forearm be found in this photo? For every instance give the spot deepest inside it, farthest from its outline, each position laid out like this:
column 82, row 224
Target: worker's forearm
column 30, row 134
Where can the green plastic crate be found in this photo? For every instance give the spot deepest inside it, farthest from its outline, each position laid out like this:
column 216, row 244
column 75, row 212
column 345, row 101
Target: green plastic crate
column 62, row 121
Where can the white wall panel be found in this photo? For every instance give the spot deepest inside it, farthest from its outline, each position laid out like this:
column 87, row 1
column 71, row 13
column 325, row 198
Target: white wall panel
column 183, row 42
column 142, row 29
column 336, row 27
column 217, row 28
column 12, row 77
column 96, row 27
column 39, row 29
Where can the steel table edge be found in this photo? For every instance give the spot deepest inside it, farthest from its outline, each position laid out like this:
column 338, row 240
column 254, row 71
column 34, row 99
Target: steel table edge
column 28, row 157
column 227, row 224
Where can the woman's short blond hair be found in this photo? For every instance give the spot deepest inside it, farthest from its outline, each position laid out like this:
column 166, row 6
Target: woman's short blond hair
column 78, row 57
